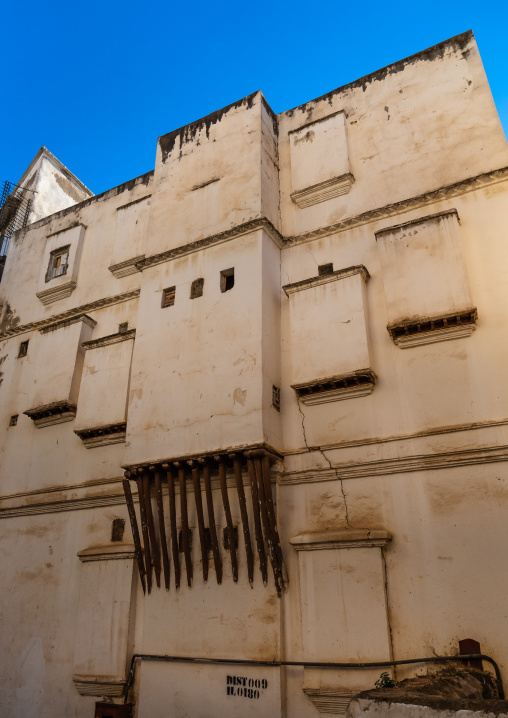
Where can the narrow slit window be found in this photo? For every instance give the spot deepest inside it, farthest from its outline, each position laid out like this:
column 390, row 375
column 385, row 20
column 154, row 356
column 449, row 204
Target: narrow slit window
column 23, row 349
column 227, row 279
column 168, row 297
column 276, row 397
column 13, row 420
column 58, row 263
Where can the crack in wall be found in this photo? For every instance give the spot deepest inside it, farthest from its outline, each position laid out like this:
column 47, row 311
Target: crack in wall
column 325, row 457
column 388, row 616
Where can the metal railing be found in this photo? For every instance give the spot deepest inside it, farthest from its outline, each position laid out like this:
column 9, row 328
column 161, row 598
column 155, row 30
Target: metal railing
column 14, row 210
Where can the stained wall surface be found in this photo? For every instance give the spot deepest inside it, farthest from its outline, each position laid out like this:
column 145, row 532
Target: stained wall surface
column 295, row 324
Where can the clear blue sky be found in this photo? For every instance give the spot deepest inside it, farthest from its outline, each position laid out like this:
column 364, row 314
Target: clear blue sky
column 98, row 82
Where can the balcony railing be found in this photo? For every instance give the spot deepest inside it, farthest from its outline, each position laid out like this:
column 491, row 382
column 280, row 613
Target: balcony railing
column 14, row 210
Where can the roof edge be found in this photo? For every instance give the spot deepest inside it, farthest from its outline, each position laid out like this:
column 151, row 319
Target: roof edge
column 461, row 40
column 43, row 151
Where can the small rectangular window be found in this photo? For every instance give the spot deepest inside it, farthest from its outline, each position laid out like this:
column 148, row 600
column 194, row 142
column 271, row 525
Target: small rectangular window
column 123, row 327
column 196, row 289
column 14, row 420
column 227, row 279
column 208, row 540
column 117, row 529
column 180, row 541
column 325, row 269
column 23, row 349
column 225, row 538
column 168, row 297
column 58, row 263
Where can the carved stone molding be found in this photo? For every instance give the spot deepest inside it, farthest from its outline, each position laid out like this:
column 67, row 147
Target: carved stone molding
column 100, row 687
column 428, row 330
column 324, row 190
column 102, row 435
column 58, row 412
column 326, row 278
column 405, row 205
column 329, row 700
column 129, row 266
column 398, row 465
column 417, row 221
column 71, row 313
column 246, row 228
column 54, row 294
column 336, row 388
column 108, row 552
column 67, row 323
column 103, row 492
column 342, row 538
column 109, row 339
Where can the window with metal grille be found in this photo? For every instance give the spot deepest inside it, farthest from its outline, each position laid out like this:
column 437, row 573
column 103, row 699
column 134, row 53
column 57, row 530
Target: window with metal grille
column 58, row 263
column 168, row 297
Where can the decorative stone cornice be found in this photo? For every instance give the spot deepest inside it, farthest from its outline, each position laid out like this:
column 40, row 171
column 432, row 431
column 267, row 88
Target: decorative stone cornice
column 419, row 220
column 336, row 388
column 342, row 538
column 323, row 190
column 326, row 278
column 329, row 700
column 405, row 205
column 67, row 323
column 100, row 687
column 109, row 339
column 372, row 441
column 71, row 313
column 88, row 495
column 258, row 448
column 229, row 234
column 129, row 266
column 102, row 435
column 398, row 465
column 54, row 294
column 108, row 552
column 428, row 330
column 58, row 412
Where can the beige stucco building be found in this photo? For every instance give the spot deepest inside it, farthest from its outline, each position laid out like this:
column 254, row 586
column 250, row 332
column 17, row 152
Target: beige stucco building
column 291, row 336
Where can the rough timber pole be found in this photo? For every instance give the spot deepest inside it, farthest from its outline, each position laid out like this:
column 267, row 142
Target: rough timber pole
column 162, row 526
column 172, row 523
column 211, row 520
column 134, row 528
